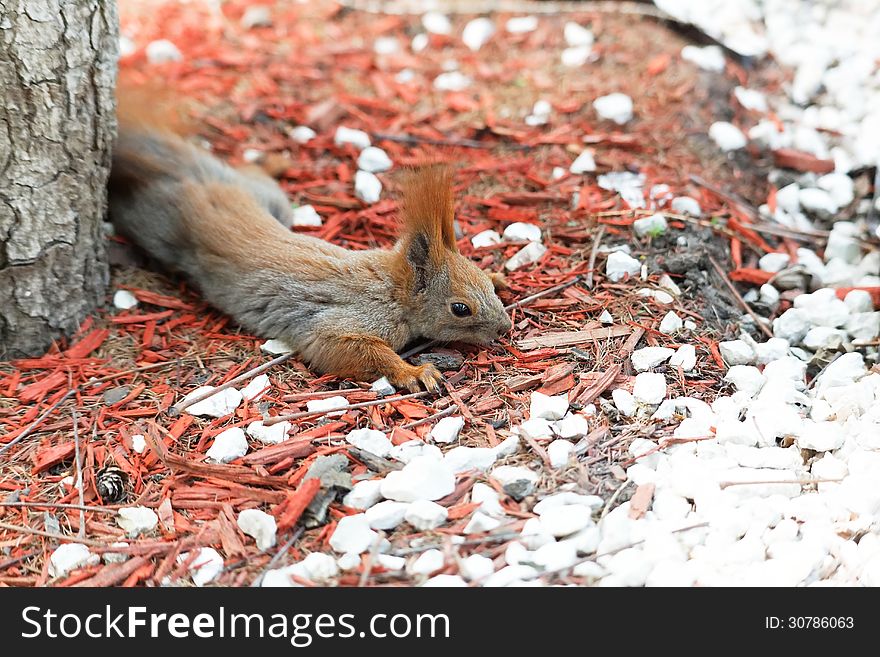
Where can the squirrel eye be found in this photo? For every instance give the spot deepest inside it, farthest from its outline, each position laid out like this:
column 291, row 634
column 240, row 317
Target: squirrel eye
column 461, row 310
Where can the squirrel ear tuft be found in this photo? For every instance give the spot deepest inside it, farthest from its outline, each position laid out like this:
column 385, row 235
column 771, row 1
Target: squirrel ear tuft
column 429, row 208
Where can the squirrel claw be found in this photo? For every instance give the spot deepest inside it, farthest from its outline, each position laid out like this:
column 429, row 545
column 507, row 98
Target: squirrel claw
column 415, row 376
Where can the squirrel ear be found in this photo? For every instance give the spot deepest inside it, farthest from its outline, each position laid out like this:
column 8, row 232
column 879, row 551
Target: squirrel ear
column 418, row 256
column 429, row 209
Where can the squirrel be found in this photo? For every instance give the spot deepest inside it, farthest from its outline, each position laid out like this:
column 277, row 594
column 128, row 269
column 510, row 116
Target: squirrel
column 344, row 312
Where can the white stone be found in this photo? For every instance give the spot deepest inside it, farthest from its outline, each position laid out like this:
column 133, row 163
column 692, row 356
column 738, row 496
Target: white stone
column 649, row 357
column 556, row 555
column 774, row 262
column 792, row 325
column 751, row 99
column 228, row 446
column 840, row 186
column 256, row 388
column 708, row 58
column 577, row 35
column 606, row 317
column 367, row 187
column 546, row 407
column 566, row 519
column 217, row 405
column 370, row 440
column 256, row 16
column 649, row 388
column 736, row 352
column 319, row 567
column 573, row 425
column 463, row 459
column 446, row 581
column 271, row 435
column 386, row 515
column 447, row 429
column 521, row 24
column 864, row 326
column 353, row 534
column 363, row 494
column 430, row 561
column 374, row 160
column 436, row 23
column 670, row 324
column 829, row 467
column 522, row 232
column 425, row 515
column 824, row 337
column 576, row 56
column 480, row 522
column 624, row 401
column 302, row 134
column 357, row 138
column 652, row 226
column 661, row 296
column 124, row 300
column 507, row 447
column 477, row 567
column 746, row 378
column 820, row 436
column 685, row 356
column 583, row 163
column 67, row 557
column 615, row 107
column 620, row 264
column 411, row 449
column 485, row 238
column 768, row 295
column 817, row 201
column 327, row 404
column 477, row 32
column 275, row 347
column 162, row 51
column 138, row 443
column 137, row 520
column 843, row 370
column 382, row 387
column 306, row 216
column 511, row 576
column 859, row 301
column 206, row 565
column 420, row 42
column 386, row 45
column 259, row 525
column 686, row 205
column 452, row 81
column 559, row 452
column 727, row 136
column 530, row 253
column 567, row 498
column 389, row 562
column 423, row 478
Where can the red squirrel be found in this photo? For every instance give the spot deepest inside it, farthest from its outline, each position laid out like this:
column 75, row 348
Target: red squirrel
column 344, row 312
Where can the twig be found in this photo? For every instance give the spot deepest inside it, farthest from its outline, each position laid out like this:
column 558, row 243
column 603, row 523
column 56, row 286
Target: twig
column 177, row 408
column 58, row 537
column 802, row 482
column 591, row 263
column 463, row 143
column 371, row 556
column 278, row 556
column 742, row 204
column 540, row 451
column 544, row 293
column 267, row 422
column 738, row 296
column 55, row 505
column 24, row 434
column 491, row 538
column 437, row 416
column 613, row 499
column 81, row 532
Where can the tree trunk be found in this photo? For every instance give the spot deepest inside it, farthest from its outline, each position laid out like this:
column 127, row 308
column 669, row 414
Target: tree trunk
column 57, row 124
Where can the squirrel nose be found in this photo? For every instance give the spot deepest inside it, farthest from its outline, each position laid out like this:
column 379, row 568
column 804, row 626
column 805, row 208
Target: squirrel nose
column 505, row 325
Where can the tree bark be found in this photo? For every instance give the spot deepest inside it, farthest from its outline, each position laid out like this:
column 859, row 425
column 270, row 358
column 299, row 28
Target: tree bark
column 57, row 124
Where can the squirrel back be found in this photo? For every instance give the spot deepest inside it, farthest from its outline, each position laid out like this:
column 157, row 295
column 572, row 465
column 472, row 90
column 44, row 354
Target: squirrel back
column 345, row 312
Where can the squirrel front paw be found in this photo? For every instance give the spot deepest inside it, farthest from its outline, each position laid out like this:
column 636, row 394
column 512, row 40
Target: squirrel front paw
column 412, row 377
